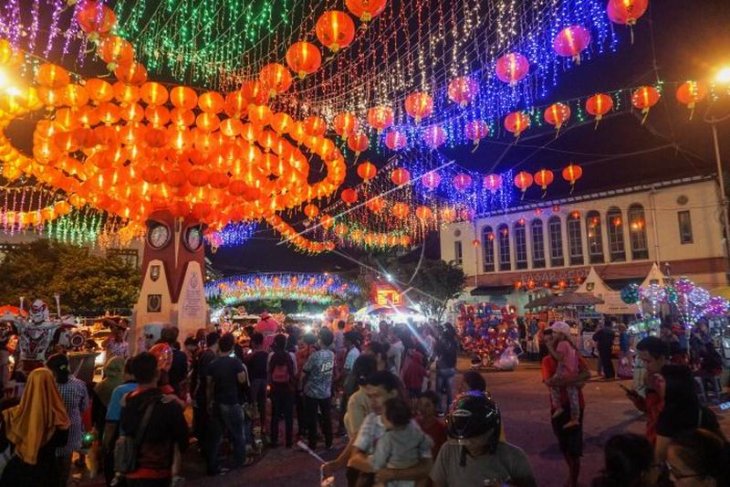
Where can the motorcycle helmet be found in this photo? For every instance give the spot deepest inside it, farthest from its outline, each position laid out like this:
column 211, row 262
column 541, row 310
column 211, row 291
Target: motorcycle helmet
column 163, row 354
column 473, row 415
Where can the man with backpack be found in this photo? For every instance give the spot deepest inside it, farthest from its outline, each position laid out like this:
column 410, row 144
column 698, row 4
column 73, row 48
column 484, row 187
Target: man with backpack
column 282, row 374
column 151, row 429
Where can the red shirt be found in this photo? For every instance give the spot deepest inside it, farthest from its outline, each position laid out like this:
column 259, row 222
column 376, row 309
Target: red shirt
column 437, row 432
column 549, row 366
column 652, row 405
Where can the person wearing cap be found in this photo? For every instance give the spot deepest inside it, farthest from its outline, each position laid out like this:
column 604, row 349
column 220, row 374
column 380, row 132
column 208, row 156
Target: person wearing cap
column 562, row 349
column 473, row 454
column 116, row 345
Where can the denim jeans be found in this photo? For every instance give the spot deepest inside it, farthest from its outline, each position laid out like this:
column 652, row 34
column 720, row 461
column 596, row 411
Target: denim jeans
column 311, row 408
column 226, row 418
column 445, row 386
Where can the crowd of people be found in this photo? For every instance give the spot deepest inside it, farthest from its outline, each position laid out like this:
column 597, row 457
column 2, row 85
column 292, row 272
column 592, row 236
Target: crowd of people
column 390, row 391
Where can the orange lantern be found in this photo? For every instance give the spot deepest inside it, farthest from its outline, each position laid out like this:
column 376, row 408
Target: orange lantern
column 523, row 181
column 276, row 78
column 311, row 211
column 376, row 205
column 367, row 171
column 315, row 126
column 303, row 58
column 335, row 30
column 115, row 51
column 400, row 210
column 99, row 90
column 556, row 115
column 281, row 122
column 211, row 102
column 516, row 123
column 358, row 143
column 424, row 213
column 153, row 93
column 644, row 98
column 133, row 73
column 400, row 176
column 52, row 76
column 544, row 178
column 380, row 117
column 463, row 90
column 365, row 10
column 76, row 96
column 690, row 93
column 598, row 105
column 345, row 124
column 349, row 196
column 572, row 173
column 259, row 115
column 512, row 68
column 254, row 92
column 419, row 105
column 395, row 140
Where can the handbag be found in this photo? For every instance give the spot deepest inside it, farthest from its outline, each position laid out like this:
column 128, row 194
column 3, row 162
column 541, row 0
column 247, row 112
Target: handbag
column 127, row 447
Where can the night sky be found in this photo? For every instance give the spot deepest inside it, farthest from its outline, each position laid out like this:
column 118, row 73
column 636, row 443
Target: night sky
column 675, row 41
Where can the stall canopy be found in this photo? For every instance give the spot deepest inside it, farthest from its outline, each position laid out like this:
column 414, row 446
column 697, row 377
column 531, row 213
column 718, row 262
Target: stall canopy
column 655, row 276
column 564, row 300
column 613, row 304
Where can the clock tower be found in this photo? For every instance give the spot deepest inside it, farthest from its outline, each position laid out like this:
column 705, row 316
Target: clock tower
column 173, row 276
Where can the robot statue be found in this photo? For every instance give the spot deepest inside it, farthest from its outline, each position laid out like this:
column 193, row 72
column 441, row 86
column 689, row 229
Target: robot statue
column 38, row 335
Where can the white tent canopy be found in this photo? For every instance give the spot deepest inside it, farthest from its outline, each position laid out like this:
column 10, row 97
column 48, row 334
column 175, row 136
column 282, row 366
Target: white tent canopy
column 655, row 276
column 612, row 302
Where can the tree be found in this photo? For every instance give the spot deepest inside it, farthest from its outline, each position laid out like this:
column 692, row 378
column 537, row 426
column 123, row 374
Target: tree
column 434, row 283
column 88, row 284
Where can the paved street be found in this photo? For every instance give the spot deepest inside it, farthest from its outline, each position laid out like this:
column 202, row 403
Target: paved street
column 524, row 404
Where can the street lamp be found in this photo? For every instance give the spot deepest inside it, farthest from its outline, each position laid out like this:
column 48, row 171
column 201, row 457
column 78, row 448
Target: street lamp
column 722, row 78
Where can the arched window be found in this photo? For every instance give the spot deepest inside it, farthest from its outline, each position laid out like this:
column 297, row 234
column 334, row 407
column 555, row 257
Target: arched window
column 615, row 226
column 575, row 239
column 555, row 232
column 488, row 245
column 538, row 244
column 520, row 245
column 505, row 263
column 595, row 237
column 637, row 232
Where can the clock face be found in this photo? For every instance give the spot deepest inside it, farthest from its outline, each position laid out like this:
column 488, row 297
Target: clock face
column 158, row 237
column 193, row 238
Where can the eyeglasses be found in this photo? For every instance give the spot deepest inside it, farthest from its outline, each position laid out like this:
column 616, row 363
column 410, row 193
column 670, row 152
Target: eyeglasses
column 678, row 476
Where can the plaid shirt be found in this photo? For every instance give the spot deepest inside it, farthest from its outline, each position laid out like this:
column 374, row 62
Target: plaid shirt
column 76, row 400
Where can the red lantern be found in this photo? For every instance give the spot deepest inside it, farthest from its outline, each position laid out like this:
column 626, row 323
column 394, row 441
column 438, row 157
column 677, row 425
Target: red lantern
column 434, row 136
column 572, row 173
column 345, row 124
column 512, row 68
column 462, row 182
column 315, row 126
column 476, row 130
column 493, row 182
column 358, row 143
column 380, row 117
column 303, row 58
column 523, row 181
column 115, row 51
column 424, row 213
column 133, row 73
column 598, row 105
column 311, row 211
column 400, row 210
column 419, row 105
column 431, row 180
column 376, row 205
column 335, row 30
column 544, row 178
column 571, row 41
column 395, row 140
column 211, row 102
column 96, row 19
column 557, row 114
column 349, row 196
column 690, row 93
column 400, row 176
column 626, row 12
column 644, row 98
column 516, row 123
column 367, row 171
column 365, row 10
column 463, row 90
column 254, row 92
column 276, row 78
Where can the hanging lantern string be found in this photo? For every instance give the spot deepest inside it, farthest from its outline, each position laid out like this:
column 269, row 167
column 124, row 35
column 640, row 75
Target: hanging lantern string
column 361, row 205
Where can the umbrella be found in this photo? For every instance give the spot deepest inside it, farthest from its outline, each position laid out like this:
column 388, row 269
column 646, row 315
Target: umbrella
column 563, row 300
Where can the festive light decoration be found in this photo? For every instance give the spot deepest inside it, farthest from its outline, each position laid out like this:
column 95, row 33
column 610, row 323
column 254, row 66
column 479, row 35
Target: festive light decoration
column 349, row 196
column 644, row 98
column 516, row 123
column 434, row 137
column 335, row 30
column 523, row 180
column 365, row 10
column 367, row 171
column 462, row 182
column 380, row 118
column 512, row 68
column 400, row 176
column 493, row 182
column 232, row 235
column 476, row 130
column 310, row 288
column 358, row 143
column 419, row 105
column 690, row 93
column 303, row 58
column 572, row 173
column 571, row 41
column 598, row 105
column 544, row 178
column 626, row 12
column 463, row 90
column 557, row 114
column 395, row 140
column 345, row 124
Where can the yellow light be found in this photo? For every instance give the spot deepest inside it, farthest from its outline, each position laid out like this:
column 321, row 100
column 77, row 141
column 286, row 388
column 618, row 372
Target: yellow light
column 723, row 76
column 7, row 84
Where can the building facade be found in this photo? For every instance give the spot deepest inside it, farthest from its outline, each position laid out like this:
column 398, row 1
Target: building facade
column 620, row 233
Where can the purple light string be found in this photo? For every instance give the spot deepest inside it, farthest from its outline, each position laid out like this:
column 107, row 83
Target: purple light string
column 35, row 13
column 13, row 21
column 73, row 29
column 58, row 6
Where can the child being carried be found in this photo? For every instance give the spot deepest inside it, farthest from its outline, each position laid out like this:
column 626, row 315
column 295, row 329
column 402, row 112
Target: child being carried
column 566, row 354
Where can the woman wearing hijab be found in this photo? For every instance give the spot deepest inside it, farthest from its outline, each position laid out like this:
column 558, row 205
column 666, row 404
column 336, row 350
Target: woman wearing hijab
column 75, row 398
column 36, row 427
